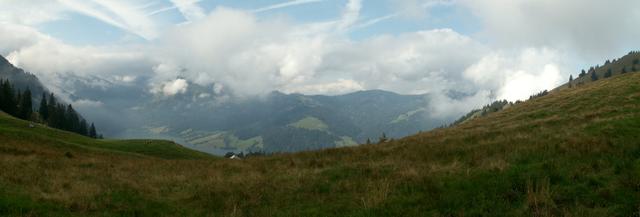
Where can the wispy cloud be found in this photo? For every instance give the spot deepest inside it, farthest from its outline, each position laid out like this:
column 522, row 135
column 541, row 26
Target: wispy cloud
column 189, row 9
column 375, row 21
column 351, row 14
column 285, row 4
column 121, row 14
column 158, row 11
column 426, row 5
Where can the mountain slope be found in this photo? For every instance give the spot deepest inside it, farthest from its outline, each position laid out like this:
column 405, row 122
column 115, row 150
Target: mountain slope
column 18, row 135
column 21, row 79
column 573, row 152
column 268, row 124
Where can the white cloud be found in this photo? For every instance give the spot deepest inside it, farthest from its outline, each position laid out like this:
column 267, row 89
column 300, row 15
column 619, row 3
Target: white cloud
column 253, row 56
column 87, row 104
column 125, row 78
column 171, row 88
column 593, row 29
column 285, row 4
column 351, row 14
column 189, row 9
column 445, row 107
column 14, row 37
column 30, row 12
column 119, row 13
column 416, row 8
column 516, row 76
column 341, row 86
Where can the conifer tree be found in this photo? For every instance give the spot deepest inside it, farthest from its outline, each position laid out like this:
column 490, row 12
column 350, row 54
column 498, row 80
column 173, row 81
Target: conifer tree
column 594, row 77
column 2, row 95
column 570, row 80
column 72, row 119
column 9, row 104
column 92, row 131
column 26, row 106
column 83, row 128
column 44, row 108
column 52, row 111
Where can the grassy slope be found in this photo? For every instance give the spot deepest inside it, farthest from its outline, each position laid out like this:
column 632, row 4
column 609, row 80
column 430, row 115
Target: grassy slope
column 575, row 152
column 18, row 133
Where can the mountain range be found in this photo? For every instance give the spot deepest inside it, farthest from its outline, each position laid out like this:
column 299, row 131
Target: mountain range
column 216, row 122
column 279, row 122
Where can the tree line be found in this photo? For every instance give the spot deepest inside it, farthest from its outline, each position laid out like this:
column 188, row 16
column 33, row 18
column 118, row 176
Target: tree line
column 635, row 63
column 51, row 112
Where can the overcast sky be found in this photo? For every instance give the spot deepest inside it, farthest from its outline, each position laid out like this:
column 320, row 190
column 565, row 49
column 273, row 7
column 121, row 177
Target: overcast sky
column 489, row 49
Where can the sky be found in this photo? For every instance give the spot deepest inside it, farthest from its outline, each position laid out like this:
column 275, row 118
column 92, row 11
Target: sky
column 485, row 49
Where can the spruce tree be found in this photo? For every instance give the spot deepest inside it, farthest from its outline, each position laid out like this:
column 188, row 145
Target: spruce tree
column 92, row 131
column 26, row 106
column 73, row 120
column 52, row 111
column 44, row 108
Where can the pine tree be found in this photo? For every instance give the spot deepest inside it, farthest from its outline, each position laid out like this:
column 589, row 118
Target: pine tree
column 624, row 70
column 44, row 108
column 92, row 131
column 26, row 106
column 582, row 74
column 368, row 141
column 594, row 77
